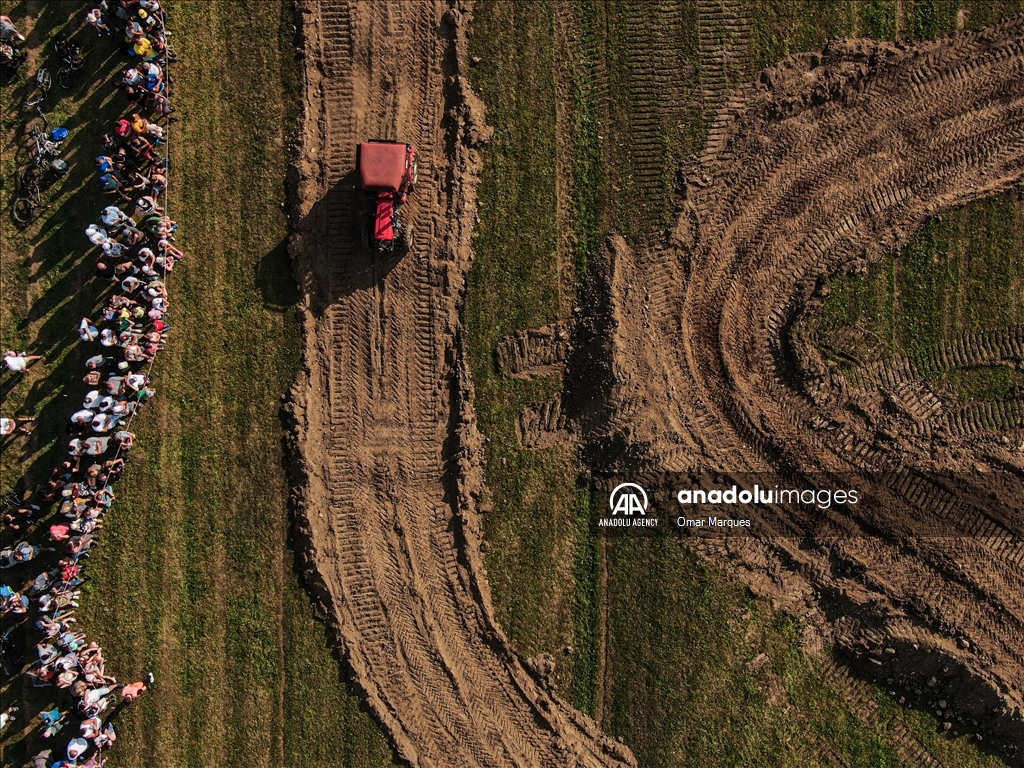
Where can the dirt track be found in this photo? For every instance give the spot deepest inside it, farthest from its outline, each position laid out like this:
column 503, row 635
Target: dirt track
column 390, row 469
column 826, row 163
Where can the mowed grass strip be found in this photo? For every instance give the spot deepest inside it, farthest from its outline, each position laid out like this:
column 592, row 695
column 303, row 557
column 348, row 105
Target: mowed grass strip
column 694, row 670
column 193, row 579
column 513, row 285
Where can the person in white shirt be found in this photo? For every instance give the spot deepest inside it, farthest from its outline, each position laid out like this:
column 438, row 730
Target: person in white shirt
column 83, row 416
column 16, row 425
column 104, row 422
column 19, row 362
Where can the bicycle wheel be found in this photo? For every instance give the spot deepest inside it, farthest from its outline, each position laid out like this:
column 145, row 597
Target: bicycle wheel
column 64, row 77
column 24, row 211
column 30, row 180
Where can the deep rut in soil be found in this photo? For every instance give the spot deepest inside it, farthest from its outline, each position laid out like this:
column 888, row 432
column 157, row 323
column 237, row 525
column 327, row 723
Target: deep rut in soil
column 389, row 473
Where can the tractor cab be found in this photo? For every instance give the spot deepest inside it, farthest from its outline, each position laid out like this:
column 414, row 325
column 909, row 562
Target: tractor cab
column 386, row 172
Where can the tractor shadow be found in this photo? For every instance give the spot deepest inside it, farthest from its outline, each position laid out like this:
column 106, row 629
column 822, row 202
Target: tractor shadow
column 330, row 254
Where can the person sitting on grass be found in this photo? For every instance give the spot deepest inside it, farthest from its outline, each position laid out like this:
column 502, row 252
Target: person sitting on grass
column 19, row 362
column 167, row 228
column 67, row 678
column 105, row 271
column 87, row 331
column 109, row 184
column 104, row 422
column 146, row 206
column 21, row 518
column 124, row 439
column 132, row 181
column 17, row 425
column 104, row 497
column 110, row 143
column 140, row 149
column 25, row 552
column 144, row 49
column 152, row 7
column 112, row 469
column 121, row 8
column 98, row 21
column 133, row 32
column 114, row 218
column 81, row 544
column 152, row 76
column 144, row 127
column 124, row 269
column 151, row 24
column 105, row 740
column 90, row 727
column 95, row 446
column 14, row 602
column 83, row 416
column 9, row 33
column 131, row 236
column 158, row 104
column 113, row 250
column 169, row 251
column 53, row 719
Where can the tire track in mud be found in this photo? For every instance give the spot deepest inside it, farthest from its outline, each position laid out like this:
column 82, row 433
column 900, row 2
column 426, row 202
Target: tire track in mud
column 388, row 458
column 725, row 34
column 826, row 163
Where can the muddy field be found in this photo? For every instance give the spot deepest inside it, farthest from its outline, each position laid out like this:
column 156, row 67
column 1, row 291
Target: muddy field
column 692, row 360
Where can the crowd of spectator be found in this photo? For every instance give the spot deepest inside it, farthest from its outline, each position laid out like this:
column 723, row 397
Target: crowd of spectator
column 61, row 520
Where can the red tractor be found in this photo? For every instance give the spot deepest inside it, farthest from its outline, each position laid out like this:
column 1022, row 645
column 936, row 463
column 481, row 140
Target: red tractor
column 387, row 173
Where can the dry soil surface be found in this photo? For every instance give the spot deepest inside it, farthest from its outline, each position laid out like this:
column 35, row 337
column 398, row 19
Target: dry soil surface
column 389, row 468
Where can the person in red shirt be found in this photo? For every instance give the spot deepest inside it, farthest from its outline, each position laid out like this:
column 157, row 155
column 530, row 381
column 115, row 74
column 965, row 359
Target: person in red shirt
column 132, row 691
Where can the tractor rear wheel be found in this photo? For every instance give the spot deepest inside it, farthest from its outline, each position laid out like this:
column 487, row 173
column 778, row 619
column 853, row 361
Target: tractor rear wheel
column 406, row 237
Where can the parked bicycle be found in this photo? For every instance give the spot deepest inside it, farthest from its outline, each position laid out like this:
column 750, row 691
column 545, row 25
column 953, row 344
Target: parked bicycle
column 70, row 55
column 31, row 199
column 42, row 87
column 45, row 161
column 8, row 651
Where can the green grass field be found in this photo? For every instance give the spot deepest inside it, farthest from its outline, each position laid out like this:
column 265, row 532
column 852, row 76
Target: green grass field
column 193, row 578
column 959, row 275
column 662, row 644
